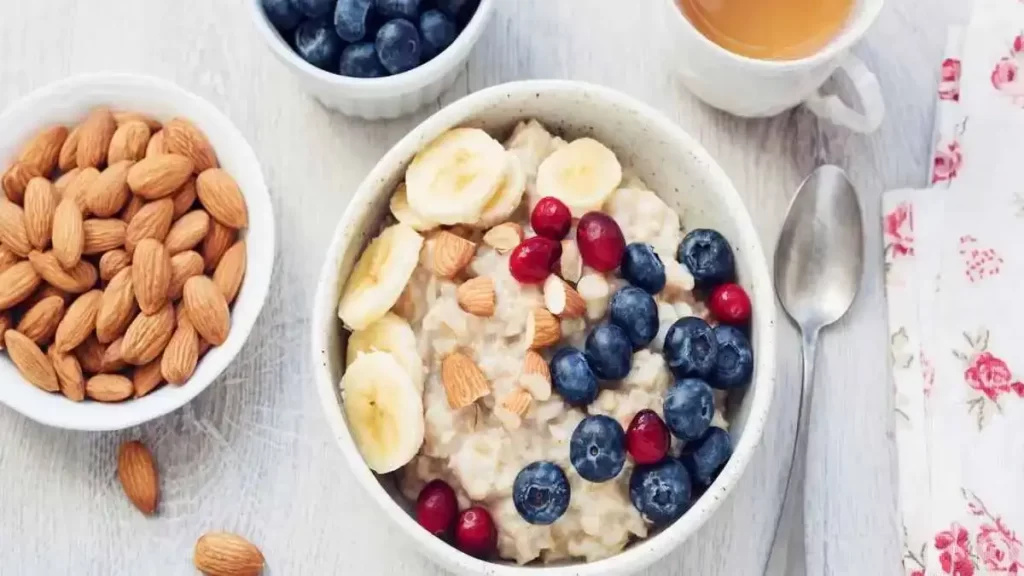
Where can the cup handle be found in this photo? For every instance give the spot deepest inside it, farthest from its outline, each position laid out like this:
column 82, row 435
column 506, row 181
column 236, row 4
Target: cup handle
column 838, row 112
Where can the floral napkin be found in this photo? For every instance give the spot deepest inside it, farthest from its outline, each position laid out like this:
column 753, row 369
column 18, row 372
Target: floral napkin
column 954, row 257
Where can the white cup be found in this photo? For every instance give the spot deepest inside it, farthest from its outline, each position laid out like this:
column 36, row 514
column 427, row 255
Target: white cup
column 755, row 88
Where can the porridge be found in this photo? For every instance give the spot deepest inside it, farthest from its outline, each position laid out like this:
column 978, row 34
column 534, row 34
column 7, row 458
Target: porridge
column 528, row 347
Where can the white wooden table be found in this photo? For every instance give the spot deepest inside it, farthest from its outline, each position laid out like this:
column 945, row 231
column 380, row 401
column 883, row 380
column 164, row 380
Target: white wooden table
column 253, row 453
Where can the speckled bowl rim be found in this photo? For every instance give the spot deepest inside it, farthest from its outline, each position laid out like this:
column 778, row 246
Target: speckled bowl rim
column 368, row 197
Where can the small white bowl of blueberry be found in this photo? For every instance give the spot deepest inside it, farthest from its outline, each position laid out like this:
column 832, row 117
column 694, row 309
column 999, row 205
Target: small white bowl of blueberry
column 373, row 58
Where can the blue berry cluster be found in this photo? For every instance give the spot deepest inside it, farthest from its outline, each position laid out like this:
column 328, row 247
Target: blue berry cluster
column 369, row 38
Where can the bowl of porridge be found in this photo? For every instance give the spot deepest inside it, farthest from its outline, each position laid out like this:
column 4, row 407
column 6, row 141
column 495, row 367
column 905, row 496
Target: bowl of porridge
column 544, row 333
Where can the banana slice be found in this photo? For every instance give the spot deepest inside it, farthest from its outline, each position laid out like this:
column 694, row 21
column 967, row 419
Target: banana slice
column 391, row 334
column 452, row 179
column 508, row 195
column 404, row 213
column 384, row 411
column 380, row 276
column 582, row 175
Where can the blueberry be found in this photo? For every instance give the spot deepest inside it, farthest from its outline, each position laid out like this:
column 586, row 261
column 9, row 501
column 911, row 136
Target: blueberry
column 541, row 492
column 314, row 8
column 735, row 361
column 316, row 43
column 609, row 352
column 642, row 267
column 398, row 46
column 572, row 377
column 360, row 61
column 352, row 19
column 706, row 457
column 689, row 408
column 690, row 348
column 438, row 32
column 454, row 8
column 408, row 9
column 282, row 14
column 661, row 492
column 598, row 448
column 634, row 311
column 708, row 256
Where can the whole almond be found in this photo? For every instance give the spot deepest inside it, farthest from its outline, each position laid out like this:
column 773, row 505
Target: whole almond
column 151, row 275
column 94, row 137
column 109, row 192
column 77, row 279
column 103, row 234
column 187, row 232
column 207, row 309
column 17, row 283
column 219, row 194
column 137, row 472
column 451, row 254
column 113, row 262
column 113, row 360
column 146, row 378
column 147, row 336
column 43, row 150
column 129, row 142
column 476, row 296
column 117, row 307
column 464, row 383
column 226, row 554
column 61, row 184
column 13, row 233
column 30, row 361
column 108, row 388
column 16, row 179
column 153, row 220
column 67, row 158
column 184, row 198
column 68, row 233
column 132, row 208
column 155, row 147
column 181, row 355
column 216, row 243
column 183, row 137
column 90, row 355
column 5, row 324
column 40, row 204
column 184, row 265
column 43, row 292
column 159, row 176
column 78, row 187
column 79, row 322
column 40, row 321
column 231, row 271
column 122, row 117
column 69, row 374
column 7, row 259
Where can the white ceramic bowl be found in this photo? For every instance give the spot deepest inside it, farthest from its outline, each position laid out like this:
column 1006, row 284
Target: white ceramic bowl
column 375, row 98
column 675, row 165
column 67, row 102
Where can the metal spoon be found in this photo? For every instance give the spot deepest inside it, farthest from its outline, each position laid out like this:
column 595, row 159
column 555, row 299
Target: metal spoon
column 819, row 261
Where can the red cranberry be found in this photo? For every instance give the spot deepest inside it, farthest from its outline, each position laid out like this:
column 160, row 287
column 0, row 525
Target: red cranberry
column 551, row 218
column 730, row 304
column 475, row 533
column 600, row 240
column 532, row 260
column 436, row 508
column 647, row 438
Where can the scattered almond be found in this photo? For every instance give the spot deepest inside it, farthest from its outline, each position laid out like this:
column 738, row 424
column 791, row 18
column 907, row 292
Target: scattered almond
column 78, row 187
column 184, row 265
column 7, row 259
column 13, row 233
column 16, row 179
column 108, row 388
column 504, row 237
column 123, row 117
column 184, row 198
column 405, row 307
column 570, row 264
column 155, row 147
column 183, row 137
column 536, row 376
column 5, row 324
column 219, row 194
column 159, row 176
column 134, row 205
column 61, row 184
column 94, row 137
column 181, row 355
column 90, row 355
column 187, row 232
column 146, row 378
column 542, row 329
column 66, row 159
column 113, row 360
column 69, row 374
column 42, row 293
column 17, row 283
column 151, row 275
column 518, row 402
column 102, row 234
column 40, row 321
column 451, row 254
column 147, row 336
column 562, row 300
column 464, row 383
column 68, row 233
column 113, row 262
column 207, row 309
column 109, row 192
column 216, row 243
column 476, row 296
column 129, row 142
column 77, row 279
column 226, row 554
column 117, row 307
column 137, row 472
column 78, row 322
column 153, row 220
column 593, row 287
column 231, row 271
column 43, row 150
column 40, row 204
column 30, row 361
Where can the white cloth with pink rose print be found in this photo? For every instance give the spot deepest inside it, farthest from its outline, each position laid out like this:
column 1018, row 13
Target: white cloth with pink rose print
column 954, row 257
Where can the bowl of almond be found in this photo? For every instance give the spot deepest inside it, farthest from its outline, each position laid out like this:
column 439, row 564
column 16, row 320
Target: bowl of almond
column 129, row 276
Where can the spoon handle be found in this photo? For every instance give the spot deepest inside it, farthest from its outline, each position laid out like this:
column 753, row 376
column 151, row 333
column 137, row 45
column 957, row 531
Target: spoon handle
column 787, row 556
